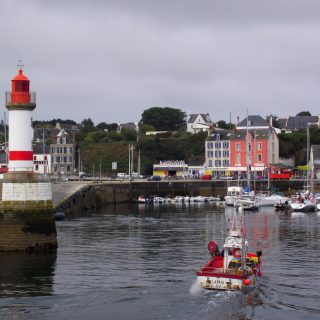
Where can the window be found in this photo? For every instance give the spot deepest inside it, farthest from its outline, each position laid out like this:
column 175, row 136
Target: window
column 225, row 153
column 210, row 163
column 37, row 167
column 45, row 158
column 34, row 158
column 259, row 157
column 217, row 154
column 217, row 163
column 209, row 145
column 226, row 163
column 249, row 146
column 238, row 146
column 259, row 146
column 218, row 136
column 238, row 158
column 55, row 168
column 68, row 168
column 225, row 145
column 218, row 145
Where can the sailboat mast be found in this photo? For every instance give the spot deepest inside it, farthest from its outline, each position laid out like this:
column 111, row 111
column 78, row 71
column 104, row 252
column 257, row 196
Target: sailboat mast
column 247, row 152
column 308, row 148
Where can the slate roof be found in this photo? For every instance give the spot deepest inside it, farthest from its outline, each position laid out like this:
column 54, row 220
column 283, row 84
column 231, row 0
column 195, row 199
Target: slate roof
column 193, row 117
column 297, row 122
column 223, row 135
column 253, row 121
column 241, row 134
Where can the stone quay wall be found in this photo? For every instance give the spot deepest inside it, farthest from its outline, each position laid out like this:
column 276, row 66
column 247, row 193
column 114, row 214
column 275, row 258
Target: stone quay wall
column 97, row 195
column 27, row 232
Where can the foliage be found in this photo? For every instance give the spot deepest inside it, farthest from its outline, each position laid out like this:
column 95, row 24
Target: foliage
column 304, row 113
column 164, row 118
column 275, row 120
column 143, row 128
column 129, row 134
column 51, row 123
column 107, row 126
column 224, row 125
column 115, row 136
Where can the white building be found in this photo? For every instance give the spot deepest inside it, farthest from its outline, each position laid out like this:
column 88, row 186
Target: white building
column 199, row 122
column 41, row 159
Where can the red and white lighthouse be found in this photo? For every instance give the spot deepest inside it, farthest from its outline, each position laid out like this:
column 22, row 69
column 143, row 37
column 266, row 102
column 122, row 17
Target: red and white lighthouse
column 22, row 189
column 20, row 103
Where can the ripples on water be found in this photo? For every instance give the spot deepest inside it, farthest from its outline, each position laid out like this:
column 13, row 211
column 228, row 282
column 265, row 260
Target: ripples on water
column 136, row 262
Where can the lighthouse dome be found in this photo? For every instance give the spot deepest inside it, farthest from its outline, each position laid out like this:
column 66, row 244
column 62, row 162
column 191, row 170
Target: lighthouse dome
column 20, row 77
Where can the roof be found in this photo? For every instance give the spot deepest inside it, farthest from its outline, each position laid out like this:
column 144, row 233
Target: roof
column 253, row 121
column 129, row 125
column 20, row 77
column 297, row 122
column 241, row 134
column 218, row 135
column 205, row 117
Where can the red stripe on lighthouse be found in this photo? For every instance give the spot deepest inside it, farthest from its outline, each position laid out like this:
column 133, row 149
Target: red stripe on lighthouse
column 21, row 155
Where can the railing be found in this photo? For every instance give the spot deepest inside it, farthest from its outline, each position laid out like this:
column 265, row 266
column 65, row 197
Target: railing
column 23, row 97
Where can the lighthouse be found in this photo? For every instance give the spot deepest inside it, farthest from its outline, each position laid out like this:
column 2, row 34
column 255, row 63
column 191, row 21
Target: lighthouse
column 20, row 103
column 26, row 204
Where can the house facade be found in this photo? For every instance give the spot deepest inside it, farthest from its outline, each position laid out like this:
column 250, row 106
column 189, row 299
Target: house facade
column 42, row 159
column 199, row 122
column 256, row 148
column 217, row 149
column 63, row 154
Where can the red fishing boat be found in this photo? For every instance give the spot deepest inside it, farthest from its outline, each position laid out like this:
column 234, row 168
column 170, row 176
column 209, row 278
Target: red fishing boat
column 234, row 267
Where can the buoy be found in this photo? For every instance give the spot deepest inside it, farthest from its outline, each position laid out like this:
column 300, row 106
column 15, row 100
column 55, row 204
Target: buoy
column 246, row 282
column 259, row 273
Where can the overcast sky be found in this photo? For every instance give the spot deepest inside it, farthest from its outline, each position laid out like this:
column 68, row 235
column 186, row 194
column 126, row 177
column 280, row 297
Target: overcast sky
column 110, row 60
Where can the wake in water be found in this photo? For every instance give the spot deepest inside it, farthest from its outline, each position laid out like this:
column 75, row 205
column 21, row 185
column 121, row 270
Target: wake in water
column 195, row 289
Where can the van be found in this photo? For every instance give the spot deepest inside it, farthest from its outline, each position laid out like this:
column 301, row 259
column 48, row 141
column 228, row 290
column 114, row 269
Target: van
column 121, row 175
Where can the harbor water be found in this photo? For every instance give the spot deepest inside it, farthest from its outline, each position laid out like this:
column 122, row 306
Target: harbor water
column 138, row 262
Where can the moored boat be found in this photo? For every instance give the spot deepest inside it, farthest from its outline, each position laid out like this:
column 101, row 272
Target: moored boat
column 233, row 193
column 233, row 268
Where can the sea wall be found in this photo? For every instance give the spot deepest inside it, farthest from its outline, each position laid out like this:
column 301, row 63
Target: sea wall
column 27, row 232
column 97, row 195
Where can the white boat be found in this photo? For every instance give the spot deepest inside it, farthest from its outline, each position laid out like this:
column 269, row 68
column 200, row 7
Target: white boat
column 273, row 199
column 212, row 199
column 178, row 199
column 186, row 199
column 282, row 204
column 233, row 194
column 141, row 199
column 247, row 203
column 233, row 268
column 158, row 200
column 306, row 206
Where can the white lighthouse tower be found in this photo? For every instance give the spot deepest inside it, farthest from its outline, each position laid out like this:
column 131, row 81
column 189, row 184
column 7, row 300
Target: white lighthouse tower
column 23, row 190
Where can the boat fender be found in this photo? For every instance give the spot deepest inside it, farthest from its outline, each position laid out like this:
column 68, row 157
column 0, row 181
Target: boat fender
column 236, row 253
column 246, row 282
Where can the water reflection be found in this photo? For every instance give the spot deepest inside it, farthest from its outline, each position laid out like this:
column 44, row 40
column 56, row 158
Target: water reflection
column 139, row 262
column 24, row 274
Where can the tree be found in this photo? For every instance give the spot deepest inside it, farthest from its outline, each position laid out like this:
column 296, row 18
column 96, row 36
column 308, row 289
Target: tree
column 304, row 113
column 129, row 134
column 108, row 126
column 275, row 120
column 164, row 118
column 224, row 125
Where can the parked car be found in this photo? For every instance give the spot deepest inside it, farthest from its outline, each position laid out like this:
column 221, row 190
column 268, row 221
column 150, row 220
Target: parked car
column 154, row 178
column 206, row 177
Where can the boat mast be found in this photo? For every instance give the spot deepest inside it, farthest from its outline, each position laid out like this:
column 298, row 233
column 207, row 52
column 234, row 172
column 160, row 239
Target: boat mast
column 308, row 149
column 247, row 152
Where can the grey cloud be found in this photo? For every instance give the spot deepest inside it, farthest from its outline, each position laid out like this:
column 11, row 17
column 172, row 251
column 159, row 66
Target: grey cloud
column 109, row 60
